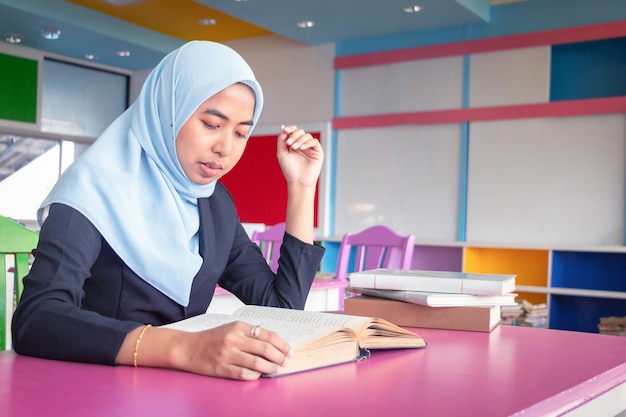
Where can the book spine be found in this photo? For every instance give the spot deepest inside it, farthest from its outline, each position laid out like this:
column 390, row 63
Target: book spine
column 478, row 319
column 429, row 284
column 399, row 295
column 399, row 282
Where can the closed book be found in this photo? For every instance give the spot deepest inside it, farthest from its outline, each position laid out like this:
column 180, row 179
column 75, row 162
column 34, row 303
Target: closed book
column 439, row 299
column 434, row 281
column 400, row 313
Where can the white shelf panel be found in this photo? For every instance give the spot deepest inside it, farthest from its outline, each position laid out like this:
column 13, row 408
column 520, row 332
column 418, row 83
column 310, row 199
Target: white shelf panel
column 571, row 291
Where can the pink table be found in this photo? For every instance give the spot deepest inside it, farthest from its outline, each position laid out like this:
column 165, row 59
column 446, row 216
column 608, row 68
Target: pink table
column 512, row 370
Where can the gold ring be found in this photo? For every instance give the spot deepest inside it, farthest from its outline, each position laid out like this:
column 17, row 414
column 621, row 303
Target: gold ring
column 255, row 331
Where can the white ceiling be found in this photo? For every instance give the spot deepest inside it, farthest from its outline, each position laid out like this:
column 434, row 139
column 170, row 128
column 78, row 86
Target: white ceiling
column 88, row 31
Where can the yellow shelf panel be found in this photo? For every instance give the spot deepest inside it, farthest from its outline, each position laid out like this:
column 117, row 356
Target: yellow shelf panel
column 531, row 297
column 530, row 265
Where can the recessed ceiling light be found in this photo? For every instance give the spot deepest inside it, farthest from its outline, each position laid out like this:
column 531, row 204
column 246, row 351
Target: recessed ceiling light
column 51, row 33
column 411, row 9
column 121, row 2
column 123, row 53
column 207, row 22
column 90, row 57
column 13, row 38
column 305, row 24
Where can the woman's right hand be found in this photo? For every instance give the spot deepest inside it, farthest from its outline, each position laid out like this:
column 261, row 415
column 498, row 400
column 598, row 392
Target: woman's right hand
column 228, row 351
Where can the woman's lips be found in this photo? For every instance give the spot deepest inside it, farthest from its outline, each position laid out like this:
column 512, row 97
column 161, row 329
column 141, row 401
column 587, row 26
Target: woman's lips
column 211, row 169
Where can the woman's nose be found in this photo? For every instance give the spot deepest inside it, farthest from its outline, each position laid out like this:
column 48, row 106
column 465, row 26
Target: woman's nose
column 224, row 144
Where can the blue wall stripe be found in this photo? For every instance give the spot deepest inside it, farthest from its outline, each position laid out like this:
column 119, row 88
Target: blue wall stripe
column 331, row 157
column 464, row 162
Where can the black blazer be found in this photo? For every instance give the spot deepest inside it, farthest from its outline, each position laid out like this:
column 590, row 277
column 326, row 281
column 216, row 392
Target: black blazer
column 80, row 299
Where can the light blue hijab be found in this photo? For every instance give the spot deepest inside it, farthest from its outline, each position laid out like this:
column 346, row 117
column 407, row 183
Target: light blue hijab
column 130, row 184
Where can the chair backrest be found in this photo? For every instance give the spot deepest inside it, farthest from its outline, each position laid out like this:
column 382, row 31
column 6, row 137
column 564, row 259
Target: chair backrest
column 376, row 247
column 269, row 240
column 16, row 244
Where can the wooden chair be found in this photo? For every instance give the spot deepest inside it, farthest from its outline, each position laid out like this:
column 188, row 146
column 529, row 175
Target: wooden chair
column 269, row 240
column 16, row 244
column 376, row 247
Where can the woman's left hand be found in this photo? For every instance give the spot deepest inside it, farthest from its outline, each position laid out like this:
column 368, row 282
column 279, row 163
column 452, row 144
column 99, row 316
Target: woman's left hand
column 300, row 156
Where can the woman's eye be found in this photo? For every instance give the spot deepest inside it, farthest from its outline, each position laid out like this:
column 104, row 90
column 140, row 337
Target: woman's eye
column 209, row 125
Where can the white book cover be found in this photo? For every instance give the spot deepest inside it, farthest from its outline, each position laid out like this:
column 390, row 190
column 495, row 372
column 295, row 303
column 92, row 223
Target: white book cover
column 434, row 281
column 440, row 299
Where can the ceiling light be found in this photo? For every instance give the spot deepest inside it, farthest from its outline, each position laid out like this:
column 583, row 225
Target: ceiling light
column 411, row 9
column 207, row 22
column 305, row 24
column 123, row 53
column 90, row 57
column 50, row 33
column 120, row 2
column 13, row 38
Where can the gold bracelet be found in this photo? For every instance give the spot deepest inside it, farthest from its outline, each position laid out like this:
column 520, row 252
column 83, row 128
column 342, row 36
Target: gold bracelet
column 137, row 344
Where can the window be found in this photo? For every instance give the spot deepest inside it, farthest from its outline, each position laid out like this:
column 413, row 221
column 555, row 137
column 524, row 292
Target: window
column 77, row 103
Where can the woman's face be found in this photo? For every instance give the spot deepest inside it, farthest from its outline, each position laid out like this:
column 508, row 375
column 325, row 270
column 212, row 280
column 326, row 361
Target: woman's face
column 212, row 140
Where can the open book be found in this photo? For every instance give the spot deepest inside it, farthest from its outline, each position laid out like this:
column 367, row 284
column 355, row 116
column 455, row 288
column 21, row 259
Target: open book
column 317, row 339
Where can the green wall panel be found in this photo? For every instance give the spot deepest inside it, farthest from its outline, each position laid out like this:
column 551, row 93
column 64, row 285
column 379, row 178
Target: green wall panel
column 18, row 89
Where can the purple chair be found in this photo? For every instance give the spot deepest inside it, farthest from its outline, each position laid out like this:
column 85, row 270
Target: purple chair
column 269, row 240
column 376, row 247
column 332, row 289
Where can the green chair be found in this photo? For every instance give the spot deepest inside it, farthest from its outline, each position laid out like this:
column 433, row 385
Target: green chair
column 16, row 242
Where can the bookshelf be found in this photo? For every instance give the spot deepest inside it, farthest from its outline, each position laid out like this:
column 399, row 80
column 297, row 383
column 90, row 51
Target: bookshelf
column 578, row 284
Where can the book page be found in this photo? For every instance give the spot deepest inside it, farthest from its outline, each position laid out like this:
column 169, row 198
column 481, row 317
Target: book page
column 336, row 321
column 362, row 326
column 297, row 334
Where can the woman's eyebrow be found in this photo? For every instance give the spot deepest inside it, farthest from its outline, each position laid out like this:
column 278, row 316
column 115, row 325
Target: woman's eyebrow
column 221, row 115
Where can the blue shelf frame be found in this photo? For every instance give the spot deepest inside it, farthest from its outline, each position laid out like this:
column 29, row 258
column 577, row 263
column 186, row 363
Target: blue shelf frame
column 599, row 271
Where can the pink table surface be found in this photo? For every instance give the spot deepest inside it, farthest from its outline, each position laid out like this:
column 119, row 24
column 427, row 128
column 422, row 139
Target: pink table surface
column 512, row 370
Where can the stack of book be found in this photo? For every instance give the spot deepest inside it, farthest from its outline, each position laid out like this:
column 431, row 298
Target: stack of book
column 535, row 315
column 512, row 315
column 525, row 314
column 431, row 299
column 613, row 325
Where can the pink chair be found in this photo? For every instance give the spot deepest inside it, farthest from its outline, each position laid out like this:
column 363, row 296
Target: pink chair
column 376, row 247
column 269, row 240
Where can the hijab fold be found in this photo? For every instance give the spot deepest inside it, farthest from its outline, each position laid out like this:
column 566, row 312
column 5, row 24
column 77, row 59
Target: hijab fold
column 130, row 184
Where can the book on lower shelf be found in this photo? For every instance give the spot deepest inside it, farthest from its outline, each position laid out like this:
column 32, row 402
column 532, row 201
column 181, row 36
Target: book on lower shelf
column 525, row 314
column 401, row 313
column 434, row 281
column 317, row 339
column 613, row 325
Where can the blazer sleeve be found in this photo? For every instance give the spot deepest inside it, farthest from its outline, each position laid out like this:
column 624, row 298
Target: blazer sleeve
column 247, row 274
column 49, row 321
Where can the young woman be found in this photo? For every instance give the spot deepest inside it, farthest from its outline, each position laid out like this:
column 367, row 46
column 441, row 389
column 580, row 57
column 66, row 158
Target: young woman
column 139, row 231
